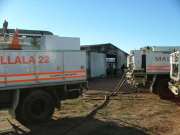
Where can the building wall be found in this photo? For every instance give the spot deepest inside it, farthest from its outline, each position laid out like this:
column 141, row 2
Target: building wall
column 97, row 64
column 121, row 59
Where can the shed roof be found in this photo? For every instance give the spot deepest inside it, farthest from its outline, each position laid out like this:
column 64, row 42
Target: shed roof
column 105, row 45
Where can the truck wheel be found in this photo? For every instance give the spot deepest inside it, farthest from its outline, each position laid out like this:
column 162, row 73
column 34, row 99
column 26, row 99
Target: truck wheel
column 163, row 91
column 37, row 106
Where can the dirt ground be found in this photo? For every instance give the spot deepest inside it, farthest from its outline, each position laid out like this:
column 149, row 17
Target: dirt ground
column 137, row 113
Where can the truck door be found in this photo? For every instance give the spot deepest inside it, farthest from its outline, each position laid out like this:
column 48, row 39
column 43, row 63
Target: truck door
column 19, row 67
column 49, row 67
column 2, row 71
column 143, row 65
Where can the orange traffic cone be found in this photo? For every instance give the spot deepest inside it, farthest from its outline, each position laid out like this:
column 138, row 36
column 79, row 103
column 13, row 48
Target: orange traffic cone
column 15, row 41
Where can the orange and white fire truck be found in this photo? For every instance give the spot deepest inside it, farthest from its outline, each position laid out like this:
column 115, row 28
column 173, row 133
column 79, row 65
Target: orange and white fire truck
column 37, row 71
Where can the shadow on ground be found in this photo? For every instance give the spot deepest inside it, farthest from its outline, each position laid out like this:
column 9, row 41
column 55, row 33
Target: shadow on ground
column 82, row 126
column 105, row 84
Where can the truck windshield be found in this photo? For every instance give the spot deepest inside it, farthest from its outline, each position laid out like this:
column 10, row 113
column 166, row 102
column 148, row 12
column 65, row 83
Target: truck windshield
column 175, row 70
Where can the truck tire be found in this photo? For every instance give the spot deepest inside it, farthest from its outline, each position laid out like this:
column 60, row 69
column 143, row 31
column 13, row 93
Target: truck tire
column 37, row 106
column 163, row 90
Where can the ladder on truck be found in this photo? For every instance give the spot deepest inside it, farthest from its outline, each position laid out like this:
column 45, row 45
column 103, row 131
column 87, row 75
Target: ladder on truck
column 123, row 84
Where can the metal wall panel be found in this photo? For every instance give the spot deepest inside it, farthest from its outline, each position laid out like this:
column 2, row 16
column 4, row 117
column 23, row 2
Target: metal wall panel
column 97, row 64
column 74, row 66
column 121, row 59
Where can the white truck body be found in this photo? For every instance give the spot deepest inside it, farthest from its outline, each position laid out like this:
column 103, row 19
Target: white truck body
column 25, row 67
column 42, row 71
column 157, row 63
column 135, row 60
column 51, row 42
column 148, row 63
column 165, row 48
column 156, row 60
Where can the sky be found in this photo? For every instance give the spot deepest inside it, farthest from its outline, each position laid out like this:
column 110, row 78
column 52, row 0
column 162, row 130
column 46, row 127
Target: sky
column 128, row 24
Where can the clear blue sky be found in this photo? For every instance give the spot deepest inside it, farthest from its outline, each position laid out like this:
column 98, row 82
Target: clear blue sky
column 128, row 24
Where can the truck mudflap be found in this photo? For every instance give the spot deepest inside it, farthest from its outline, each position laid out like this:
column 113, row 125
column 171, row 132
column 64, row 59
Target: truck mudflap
column 75, row 91
column 14, row 104
column 174, row 89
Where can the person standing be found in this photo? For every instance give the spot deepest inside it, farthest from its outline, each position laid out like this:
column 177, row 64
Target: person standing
column 122, row 68
column 5, row 27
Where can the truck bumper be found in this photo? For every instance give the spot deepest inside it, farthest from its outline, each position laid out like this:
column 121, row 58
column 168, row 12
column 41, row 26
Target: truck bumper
column 174, row 89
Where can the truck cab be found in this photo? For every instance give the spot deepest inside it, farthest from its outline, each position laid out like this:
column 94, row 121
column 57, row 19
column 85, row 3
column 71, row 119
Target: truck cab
column 174, row 84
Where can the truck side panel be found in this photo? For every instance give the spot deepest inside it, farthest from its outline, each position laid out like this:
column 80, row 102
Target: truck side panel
column 19, row 68
column 25, row 68
column 157, row 62
column 50, row 68
column 136, row 60
column 74, row 66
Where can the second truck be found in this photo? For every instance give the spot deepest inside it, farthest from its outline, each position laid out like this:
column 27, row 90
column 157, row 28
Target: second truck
column 150, row 67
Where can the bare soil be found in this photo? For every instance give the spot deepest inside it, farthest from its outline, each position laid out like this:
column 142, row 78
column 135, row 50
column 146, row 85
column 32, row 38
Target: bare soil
column 136, row 113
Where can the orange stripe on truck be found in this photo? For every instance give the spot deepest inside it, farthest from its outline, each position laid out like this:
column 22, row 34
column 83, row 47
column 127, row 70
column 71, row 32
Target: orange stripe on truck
column 75, row 76
column 30, row 80
column 29, row 74
column 40, row 79
column 41, row 73
column 158, row 67
column 74, row 71
column 153, row 65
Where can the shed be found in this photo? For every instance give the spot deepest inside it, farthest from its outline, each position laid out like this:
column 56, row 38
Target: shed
column 114, row 58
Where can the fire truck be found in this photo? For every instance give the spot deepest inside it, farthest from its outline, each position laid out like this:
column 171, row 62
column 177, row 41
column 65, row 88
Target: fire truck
column 150, row 67
column 38, row 70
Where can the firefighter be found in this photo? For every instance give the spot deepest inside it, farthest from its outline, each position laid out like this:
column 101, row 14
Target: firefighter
column 122, row 68
column 5, row 27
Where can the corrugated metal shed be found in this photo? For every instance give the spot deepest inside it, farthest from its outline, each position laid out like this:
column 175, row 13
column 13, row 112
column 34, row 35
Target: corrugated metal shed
column 111, row 52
